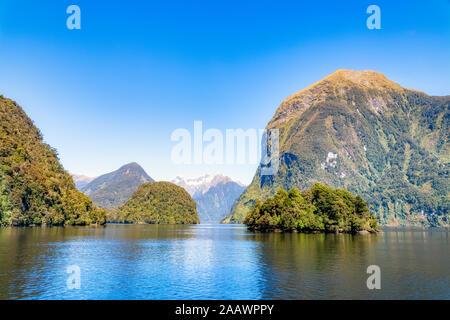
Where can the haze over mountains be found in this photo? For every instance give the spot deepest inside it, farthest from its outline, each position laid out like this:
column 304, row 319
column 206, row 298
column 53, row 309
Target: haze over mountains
column 214, row 195
column 113, row 189
column 359, row 131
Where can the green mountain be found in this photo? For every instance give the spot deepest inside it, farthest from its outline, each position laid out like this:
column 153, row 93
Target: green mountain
column 359, row 131
column 157, row 203
column 34, row 187
column 113, row 189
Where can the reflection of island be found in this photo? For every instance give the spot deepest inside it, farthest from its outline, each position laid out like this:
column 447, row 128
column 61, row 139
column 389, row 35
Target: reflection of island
column 334, row 266
column 319, row 209
column 316, row 266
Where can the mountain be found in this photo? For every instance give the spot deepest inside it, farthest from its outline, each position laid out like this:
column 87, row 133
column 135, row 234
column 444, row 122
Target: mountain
column 216, row 203
column 157, row 203
column 214, row 195
column 34, row 187
column 358, row 130
column 81, row 180
column 113, row 189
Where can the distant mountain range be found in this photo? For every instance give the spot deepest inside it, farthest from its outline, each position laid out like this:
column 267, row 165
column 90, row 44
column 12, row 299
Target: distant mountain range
column 113, row 189
column 157, row 203
column 81, row 180
column 358, row 130
column 34, row 187
column 214, row 195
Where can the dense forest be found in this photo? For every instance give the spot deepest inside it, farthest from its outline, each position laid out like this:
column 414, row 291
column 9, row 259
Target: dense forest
column 157, row 203
column 34, row 187
column 319, row 209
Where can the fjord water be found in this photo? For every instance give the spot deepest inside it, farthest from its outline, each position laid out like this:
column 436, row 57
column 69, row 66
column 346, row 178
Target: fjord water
column 220, row 262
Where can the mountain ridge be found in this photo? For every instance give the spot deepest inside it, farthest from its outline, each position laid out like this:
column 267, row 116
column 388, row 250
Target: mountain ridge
column 34, row 186
column 213, row 194
column 114, row 188
column 360, row 131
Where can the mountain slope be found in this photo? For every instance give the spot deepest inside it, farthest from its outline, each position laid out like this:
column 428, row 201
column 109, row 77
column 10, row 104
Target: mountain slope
column 34, row 187
column 214, row 195
column 359, row 131
column 157, row 203
column 113, row 189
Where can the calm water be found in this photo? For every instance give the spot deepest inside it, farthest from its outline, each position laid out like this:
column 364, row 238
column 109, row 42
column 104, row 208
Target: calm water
column 219, row 262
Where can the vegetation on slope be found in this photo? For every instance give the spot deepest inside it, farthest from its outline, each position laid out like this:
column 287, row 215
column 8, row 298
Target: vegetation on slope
column 319, row 209
column 215, row 204
column 157, row 203
column 34, row 188
column 113, row 189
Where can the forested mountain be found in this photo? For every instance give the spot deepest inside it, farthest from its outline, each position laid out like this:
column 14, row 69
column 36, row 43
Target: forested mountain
column 34, row 187
column 157, row 203
column 113, row 189
column 359, row 131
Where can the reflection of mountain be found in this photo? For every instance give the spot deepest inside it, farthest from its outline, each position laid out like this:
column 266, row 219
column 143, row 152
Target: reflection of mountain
column 359, row 131
column 214, row 195
column 81, row 180
column 113, row 189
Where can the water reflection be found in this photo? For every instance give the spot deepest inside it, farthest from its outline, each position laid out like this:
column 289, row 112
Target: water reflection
column 219, row 262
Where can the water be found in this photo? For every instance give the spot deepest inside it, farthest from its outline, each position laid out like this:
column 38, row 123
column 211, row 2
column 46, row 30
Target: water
column 219, row 262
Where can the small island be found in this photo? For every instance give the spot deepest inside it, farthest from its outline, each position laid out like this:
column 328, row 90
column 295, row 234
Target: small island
column 157, row 203
column 319, row 209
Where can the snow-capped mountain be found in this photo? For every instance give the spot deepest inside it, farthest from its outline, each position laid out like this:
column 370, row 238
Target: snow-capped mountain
column 201, row 185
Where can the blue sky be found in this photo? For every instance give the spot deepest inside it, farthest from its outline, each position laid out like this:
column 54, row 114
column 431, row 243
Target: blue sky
column 114, row 91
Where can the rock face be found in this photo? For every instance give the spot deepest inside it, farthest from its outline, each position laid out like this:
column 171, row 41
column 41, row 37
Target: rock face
column 157, row 203
column 359, row 131
column 34, row 187
column 214, row 195
column 113, row 189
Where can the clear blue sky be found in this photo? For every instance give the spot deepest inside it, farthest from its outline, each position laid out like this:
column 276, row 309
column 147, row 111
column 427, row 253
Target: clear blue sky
column 114, row 91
